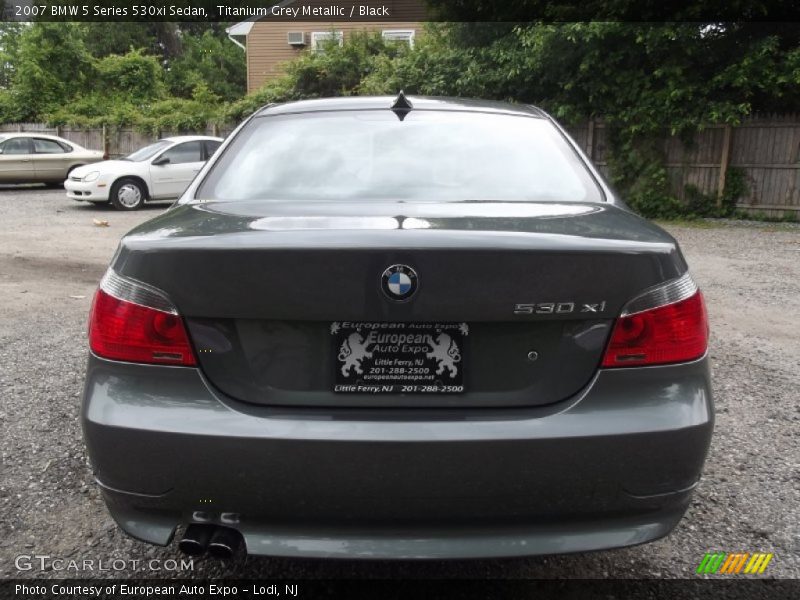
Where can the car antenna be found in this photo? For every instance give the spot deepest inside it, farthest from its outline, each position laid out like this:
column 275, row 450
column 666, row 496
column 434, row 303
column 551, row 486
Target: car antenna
column 401, row 106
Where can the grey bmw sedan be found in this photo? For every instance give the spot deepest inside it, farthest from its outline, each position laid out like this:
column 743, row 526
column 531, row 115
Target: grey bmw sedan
column 398, row 327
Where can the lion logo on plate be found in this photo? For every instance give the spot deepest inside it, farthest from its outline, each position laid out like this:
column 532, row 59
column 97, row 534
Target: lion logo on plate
column 353, row 351
column 446, row 353
column 399, row 282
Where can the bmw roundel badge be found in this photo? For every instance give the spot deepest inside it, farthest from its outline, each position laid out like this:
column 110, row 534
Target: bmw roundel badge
column 399, row 282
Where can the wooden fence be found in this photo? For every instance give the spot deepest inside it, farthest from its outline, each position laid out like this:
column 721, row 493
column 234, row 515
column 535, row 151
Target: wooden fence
column 766, row 148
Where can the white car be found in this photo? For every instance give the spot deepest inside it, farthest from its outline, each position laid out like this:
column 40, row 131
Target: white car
column 160, row 171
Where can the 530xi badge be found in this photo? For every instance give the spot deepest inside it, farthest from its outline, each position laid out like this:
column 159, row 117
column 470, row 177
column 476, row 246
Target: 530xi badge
column 558, row 308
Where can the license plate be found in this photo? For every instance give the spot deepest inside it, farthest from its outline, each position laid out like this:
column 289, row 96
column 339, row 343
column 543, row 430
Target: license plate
column 392, row 358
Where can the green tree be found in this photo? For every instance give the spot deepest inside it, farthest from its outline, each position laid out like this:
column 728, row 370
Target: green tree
column 337, row 71
column 9, row 47
column 160, row 39
column 619, row 10
column 209, row 59
column 694, row 64
column 134, row 77
column 112, row 37
column 124, row 91
column 52, row 65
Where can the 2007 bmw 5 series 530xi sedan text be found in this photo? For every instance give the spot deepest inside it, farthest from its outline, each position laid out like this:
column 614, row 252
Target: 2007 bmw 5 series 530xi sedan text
column 400, row 328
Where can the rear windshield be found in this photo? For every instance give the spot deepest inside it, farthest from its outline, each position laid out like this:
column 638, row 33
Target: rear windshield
column 431, row 156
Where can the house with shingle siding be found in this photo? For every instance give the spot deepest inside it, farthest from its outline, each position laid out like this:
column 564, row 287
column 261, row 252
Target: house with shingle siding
column 271, row 41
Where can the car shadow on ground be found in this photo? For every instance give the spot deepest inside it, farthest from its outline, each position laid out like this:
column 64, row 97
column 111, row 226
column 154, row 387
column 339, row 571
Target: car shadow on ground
column 74, row 204
column 107, row 207
column 24, row 187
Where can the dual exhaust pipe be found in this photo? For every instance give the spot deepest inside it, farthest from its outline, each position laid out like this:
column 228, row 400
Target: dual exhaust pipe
column 219, row 542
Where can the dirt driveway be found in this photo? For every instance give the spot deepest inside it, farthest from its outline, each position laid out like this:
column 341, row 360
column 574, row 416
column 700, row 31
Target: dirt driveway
column 52, row 256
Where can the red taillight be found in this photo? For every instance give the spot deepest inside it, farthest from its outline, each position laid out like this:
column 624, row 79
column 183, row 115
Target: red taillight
column 123, row 330
column 673, row 333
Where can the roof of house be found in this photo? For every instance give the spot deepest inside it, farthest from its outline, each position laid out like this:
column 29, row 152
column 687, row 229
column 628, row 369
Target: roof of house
column 244, row 27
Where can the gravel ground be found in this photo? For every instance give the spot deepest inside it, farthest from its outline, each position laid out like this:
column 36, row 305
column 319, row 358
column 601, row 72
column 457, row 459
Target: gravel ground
column 51, row 257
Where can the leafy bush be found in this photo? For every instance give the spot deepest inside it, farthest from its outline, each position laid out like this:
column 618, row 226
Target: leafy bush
column 56, row 78
column 52, row 66
column 209, row 60
column 707, row 205
column 337, row 71
column 132, row 77
column 434, row 67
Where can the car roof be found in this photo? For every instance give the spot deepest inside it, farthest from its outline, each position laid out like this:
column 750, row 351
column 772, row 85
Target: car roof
column 33, row 134
column 12, row 134
column 190, row 138
column 418, row 102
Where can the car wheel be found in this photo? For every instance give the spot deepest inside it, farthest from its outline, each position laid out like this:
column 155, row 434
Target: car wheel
column 128, row 194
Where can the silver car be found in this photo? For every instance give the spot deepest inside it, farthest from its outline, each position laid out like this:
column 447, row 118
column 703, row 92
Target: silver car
column 398, row 328
column 41, row 158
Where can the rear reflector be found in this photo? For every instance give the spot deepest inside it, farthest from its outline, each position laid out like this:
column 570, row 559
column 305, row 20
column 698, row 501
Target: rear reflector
column 134, row 322
column 667, row 324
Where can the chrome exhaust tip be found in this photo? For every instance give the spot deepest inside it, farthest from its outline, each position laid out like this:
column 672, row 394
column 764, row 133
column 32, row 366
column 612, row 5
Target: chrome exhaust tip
column 224, row 543
column 195, row 539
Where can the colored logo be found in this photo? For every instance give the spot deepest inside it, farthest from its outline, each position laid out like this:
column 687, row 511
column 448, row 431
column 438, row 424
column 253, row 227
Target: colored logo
column 734, row 563
column 399, row 282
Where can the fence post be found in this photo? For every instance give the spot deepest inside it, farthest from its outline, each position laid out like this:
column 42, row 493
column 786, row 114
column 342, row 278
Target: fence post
column 590, row 140
column 215, row 129
column 724, row 161
column 105, row 141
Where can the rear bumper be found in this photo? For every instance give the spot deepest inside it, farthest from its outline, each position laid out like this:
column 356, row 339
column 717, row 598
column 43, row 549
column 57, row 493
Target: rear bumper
column 614, row 466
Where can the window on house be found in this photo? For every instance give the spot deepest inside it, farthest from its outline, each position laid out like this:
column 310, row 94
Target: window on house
column 319, row 39
column 399, row 35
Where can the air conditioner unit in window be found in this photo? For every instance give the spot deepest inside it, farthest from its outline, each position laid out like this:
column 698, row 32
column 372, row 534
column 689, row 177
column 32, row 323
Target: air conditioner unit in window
column 296, row 38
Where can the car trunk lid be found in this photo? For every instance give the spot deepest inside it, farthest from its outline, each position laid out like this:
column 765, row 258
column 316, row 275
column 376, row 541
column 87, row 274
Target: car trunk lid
column 534, row 286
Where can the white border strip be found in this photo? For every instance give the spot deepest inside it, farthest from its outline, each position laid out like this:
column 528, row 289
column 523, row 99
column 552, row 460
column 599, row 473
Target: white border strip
column 661, row 295
column 131, row 290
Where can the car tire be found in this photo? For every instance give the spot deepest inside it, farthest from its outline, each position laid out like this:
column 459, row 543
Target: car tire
column 128, row 194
